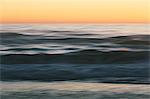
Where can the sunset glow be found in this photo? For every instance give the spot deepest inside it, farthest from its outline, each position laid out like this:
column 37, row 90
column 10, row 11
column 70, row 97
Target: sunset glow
column 74, row 11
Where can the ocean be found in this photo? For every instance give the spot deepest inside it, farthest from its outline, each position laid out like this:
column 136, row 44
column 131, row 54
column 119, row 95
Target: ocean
column 74, row 61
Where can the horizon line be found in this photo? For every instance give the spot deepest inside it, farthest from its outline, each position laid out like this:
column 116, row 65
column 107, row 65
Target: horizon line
column 74, row 22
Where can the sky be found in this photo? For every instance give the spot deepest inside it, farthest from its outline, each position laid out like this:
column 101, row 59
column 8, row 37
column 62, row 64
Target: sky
column 74, row 11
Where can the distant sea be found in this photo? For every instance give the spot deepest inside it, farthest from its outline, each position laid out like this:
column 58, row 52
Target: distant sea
column 74, row 61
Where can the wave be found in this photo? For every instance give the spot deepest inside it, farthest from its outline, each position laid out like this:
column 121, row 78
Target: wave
column 35, row 33
column 24, row 49
column 11, row 34
column 72, row 90
column 11, row 38
column 134, row 42
column 144, row 37
column 132, row 39
column 77, row 33
column 47, row 31
column 135, row 73
column 78, row 57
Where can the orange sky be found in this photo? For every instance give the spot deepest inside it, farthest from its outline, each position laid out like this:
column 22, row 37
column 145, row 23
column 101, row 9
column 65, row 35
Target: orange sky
column 78, row 11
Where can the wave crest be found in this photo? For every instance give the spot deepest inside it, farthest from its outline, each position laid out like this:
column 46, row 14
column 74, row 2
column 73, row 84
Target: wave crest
column 79, row 57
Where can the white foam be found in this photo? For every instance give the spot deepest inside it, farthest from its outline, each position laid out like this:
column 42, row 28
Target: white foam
column 76, row 86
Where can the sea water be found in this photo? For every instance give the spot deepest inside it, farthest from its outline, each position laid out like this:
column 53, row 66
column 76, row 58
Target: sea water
column 74, row 61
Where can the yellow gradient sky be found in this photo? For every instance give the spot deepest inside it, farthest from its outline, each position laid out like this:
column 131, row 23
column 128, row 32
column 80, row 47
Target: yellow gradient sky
column 78, row 11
